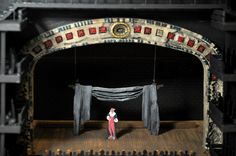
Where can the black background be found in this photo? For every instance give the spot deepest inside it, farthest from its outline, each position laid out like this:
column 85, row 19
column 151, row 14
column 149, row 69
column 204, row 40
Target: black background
column 119, row 65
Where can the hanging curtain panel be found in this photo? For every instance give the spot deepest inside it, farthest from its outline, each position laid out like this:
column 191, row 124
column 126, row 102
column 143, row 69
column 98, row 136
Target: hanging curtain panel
column 82, row 102
column 116, row 94
column 150, row 110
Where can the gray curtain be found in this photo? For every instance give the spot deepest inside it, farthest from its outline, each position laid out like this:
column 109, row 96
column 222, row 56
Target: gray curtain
column 116, row 94
column 150, row 110
column 82, row 102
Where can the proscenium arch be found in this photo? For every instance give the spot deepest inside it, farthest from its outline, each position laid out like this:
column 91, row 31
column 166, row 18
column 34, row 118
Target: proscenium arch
column 123, row 30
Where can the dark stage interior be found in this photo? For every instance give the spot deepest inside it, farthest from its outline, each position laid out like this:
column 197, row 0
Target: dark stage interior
column 119, row 65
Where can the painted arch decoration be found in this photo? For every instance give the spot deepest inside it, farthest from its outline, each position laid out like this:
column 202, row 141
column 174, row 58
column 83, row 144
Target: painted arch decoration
column 125, row 30
column 121, row 30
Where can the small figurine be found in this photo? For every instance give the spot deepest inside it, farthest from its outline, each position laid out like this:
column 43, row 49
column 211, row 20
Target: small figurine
column 112, row 118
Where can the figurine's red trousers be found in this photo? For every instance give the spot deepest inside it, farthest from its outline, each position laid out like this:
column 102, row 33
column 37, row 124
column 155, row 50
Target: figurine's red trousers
column 111, row 126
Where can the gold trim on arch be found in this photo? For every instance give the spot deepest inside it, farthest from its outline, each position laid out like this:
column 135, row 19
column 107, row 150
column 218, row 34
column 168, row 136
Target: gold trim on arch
column 120, row 30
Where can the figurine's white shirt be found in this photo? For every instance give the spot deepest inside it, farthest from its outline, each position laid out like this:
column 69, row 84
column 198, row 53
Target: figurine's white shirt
column 112, row 114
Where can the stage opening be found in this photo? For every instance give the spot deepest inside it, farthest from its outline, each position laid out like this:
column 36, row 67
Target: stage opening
column 180, row 100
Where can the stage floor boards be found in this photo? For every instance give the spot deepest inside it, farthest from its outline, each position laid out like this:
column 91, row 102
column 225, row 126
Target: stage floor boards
column 131, row 136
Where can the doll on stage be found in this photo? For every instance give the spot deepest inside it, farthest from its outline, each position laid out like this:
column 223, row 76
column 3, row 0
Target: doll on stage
column 112, row 118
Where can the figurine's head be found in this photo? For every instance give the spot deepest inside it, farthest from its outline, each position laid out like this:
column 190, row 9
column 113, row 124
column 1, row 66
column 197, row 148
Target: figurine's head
column 112, row 109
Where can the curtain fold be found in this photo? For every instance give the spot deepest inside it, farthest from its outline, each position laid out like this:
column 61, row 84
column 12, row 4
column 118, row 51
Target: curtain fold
column 150, row 110
column 116, row 94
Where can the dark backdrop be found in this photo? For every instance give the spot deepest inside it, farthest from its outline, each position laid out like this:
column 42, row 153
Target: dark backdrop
column 119, row 65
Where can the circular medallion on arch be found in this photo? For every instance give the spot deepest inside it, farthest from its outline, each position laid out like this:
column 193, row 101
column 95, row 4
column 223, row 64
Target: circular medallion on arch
column 120, row 30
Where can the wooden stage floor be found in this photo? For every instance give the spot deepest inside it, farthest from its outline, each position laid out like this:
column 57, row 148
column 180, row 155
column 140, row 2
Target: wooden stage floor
column 175, row 136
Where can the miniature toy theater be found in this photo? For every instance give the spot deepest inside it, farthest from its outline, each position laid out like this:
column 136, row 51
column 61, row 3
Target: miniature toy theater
column 155, row 70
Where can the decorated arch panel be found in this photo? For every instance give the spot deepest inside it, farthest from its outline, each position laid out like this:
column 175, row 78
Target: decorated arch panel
column 121, row 30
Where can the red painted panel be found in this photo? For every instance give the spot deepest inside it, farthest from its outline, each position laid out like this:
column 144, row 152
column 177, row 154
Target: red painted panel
column 201, row 48
column 81, row 33
column 59, row 39
column 147, row 30
column 171, row 35
column 102, row 29
column 181, row 39
column 92, row 31
column 191, row 43
column 69, row 36
column 137, row 29
column 48, row 44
